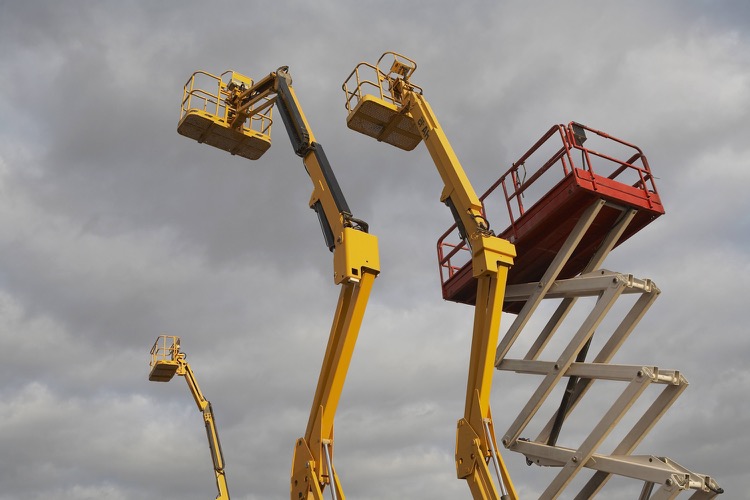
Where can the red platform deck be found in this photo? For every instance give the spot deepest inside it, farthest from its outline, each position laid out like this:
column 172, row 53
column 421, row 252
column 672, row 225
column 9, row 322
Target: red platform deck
column 540, row 231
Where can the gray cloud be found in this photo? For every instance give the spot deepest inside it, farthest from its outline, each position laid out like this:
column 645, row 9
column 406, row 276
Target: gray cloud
column 117, row 229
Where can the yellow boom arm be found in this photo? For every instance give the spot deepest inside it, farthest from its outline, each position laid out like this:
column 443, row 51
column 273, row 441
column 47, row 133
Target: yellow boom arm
column 166, row 361
column 399, row 114
column 242, row 127
column 356, row 263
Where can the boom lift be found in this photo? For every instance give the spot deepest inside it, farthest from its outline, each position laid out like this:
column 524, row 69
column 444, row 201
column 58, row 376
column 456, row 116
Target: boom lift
column 400, row 115
column 234, row 113
column 166, row 361
column 563, row 228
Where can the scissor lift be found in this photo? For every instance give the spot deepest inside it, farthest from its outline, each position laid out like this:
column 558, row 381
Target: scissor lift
column 565, row 216
column 562, row 240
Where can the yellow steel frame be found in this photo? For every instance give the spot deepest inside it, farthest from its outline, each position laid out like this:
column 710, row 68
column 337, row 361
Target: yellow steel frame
column 492, row 257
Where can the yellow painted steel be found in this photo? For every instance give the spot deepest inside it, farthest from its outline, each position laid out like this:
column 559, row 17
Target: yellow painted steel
column 310, row 471
column 381, row 114
column 242, row 107
column 167, row 361
column 356, row 264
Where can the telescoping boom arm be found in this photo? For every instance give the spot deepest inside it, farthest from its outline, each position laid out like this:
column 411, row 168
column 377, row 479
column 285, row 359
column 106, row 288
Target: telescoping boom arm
column 396, row 112
column 166, row 361
column 241, row 125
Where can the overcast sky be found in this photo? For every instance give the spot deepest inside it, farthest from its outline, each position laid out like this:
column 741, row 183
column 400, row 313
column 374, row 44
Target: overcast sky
column 115, row 229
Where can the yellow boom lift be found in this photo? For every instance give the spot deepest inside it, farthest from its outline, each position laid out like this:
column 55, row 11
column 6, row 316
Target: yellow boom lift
column 234, row 113
column 166, row 361
column 400, row 116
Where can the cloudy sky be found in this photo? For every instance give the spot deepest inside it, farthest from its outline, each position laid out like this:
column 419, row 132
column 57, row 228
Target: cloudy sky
column 116, row 229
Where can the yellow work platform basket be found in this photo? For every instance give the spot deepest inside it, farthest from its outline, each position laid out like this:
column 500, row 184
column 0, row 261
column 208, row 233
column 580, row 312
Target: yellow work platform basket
column 208, row 114
column 164, row 358
column 375, row 111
